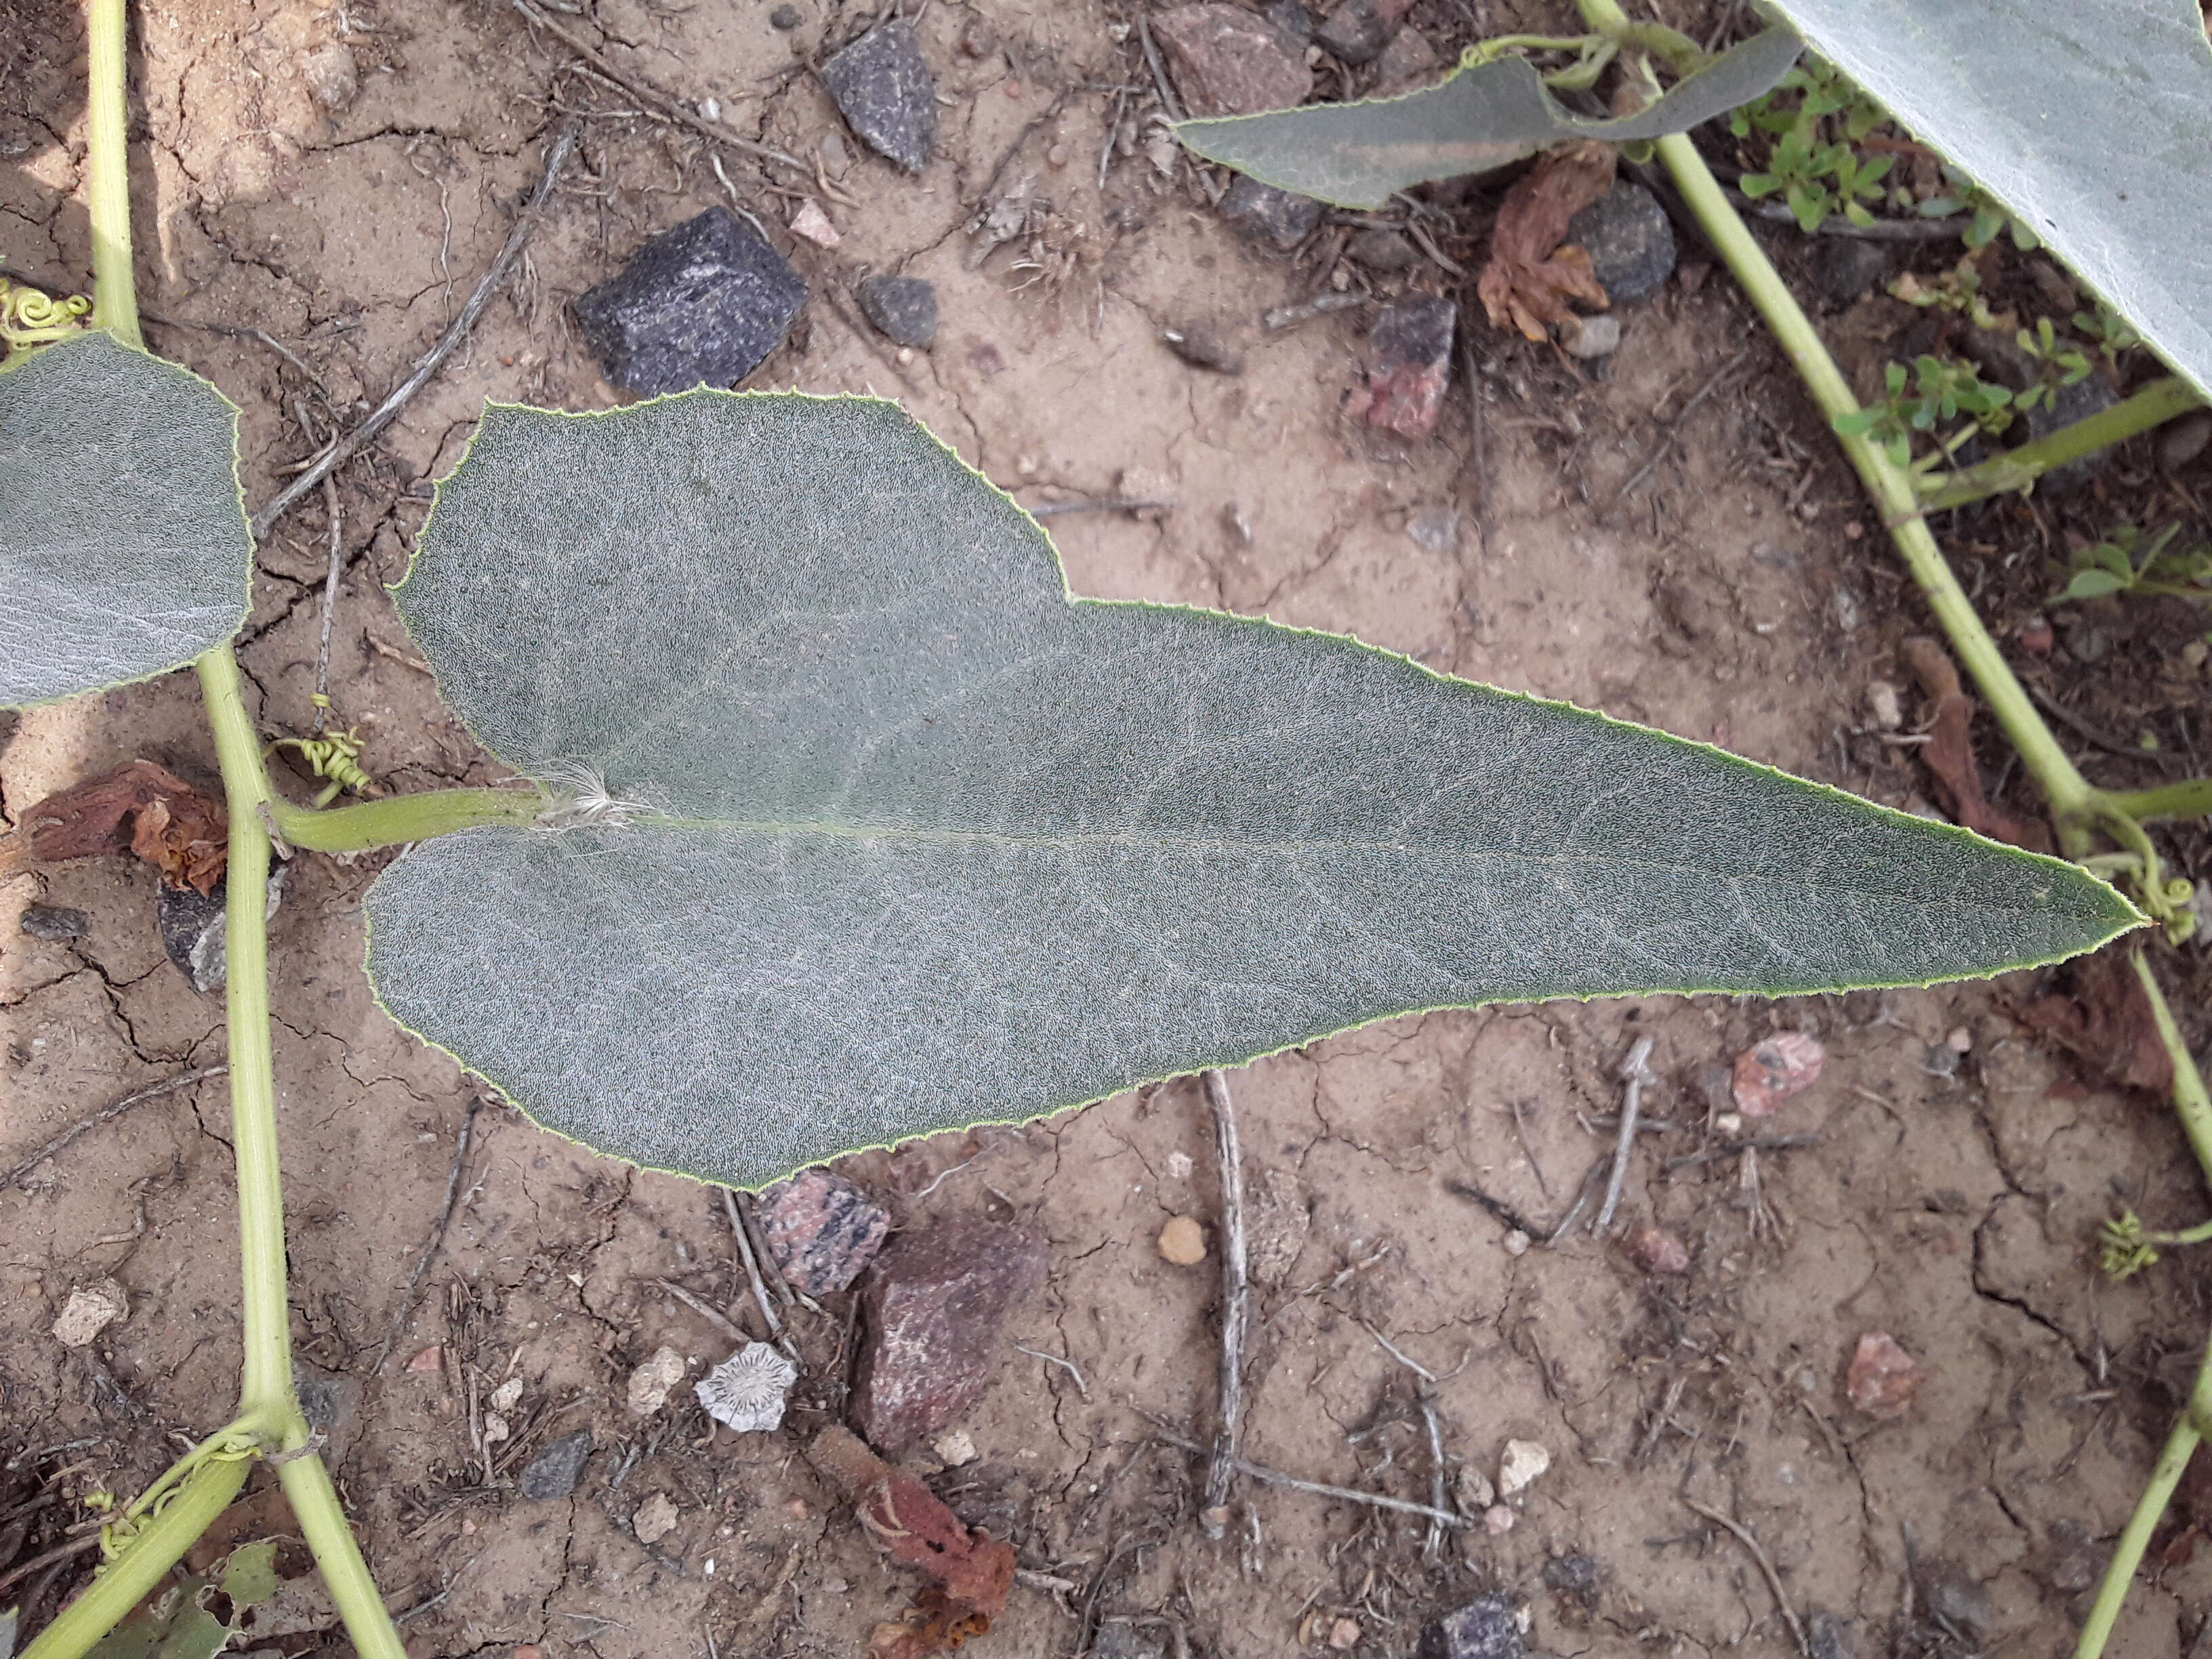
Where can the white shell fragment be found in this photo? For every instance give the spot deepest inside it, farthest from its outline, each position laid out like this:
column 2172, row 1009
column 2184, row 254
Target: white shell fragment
column 649, row 1384
column 1524, row 1461
column 747, row 1390
column 90, row 1310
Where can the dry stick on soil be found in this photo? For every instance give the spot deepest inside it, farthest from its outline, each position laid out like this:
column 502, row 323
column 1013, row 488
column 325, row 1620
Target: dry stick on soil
column 1287, row 316
column 746, row 1219
column 1742, row 1535
column 322, row 698
column 1425, row 1395
column 344, row 448
column 667, row 108
column 53, row 1557
column 753, row 1274
column 1636, row 1074
column 706, row 1310
column 1236, row 1300
column 114, row 1109
column 1099, row 504
column 1673, row 434
column 1268, row 1477
column 445, row 1212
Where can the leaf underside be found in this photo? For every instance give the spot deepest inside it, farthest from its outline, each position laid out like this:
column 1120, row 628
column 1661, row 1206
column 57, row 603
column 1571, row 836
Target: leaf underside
column 2088, row 120
column 1356, row 154
column 933, row 844
column 124, row 550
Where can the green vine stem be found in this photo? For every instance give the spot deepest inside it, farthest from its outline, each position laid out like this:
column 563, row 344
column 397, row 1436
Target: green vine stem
column 2190, row 799
column 2016, row 468
column 2077, row 809
column 266, row 1394
column 115, row 294
column 2135, row 1537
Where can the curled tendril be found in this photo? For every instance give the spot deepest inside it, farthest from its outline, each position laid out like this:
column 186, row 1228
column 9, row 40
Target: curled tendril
column 2123, row 1250
column 30, row 317
column 336, row 758
column 116, row 1536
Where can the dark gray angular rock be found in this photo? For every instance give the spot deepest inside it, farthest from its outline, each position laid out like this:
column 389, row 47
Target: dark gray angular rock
column 1410, row 352
column 1385, row 250
column 699, row 305
column 883, row 88
column 903, row 307
column 785, row 18
column 55, row 922
column 1629, row 241
column 1844, row 267
column 1827, row 1636
column 1355, row 32
column 1291, row 19
column 552, row 1473
column 1484, row 1629
column 1266, row 214
column 935, row 1304
column 821, row 1229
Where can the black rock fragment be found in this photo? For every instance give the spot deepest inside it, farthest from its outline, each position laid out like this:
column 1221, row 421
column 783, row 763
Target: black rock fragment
column 192, row 933
column 784, row 17
column 903, row 307
column 552, row 1473
column 883, row 88
column 1844, row 267
column 1484, row 1629
column 1263, row 212
column 1356, row 31
column 1629, row 241
column 699, row 305
column 1204, row 346
column 55, row 922
column 2068, row 405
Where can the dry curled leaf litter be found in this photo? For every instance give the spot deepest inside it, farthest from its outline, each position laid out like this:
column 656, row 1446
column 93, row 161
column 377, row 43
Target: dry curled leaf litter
column 1529, row 278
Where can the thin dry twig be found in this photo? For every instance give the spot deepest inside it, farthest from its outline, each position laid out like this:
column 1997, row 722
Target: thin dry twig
column 114, row 1109
column 1286, row 316
column 1743, row 1536
column 1064, row 1364
column 1635, row 1073
column 59, row 1553
column 345, row 447
column 329, row 601
column 753, row 1272
column 1098, row 504
column 1236, row 1307
column 706, row 1310
column 1267, row 1476
column 1424, row 1396
column 663, row 105
column 445, row 1212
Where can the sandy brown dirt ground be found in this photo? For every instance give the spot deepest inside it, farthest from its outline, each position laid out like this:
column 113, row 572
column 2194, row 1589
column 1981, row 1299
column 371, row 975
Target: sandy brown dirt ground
column 1947, row 1199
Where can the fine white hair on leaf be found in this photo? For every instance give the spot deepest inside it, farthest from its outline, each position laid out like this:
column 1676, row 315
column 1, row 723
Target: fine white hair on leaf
column 747, row 1390
column 579, row 797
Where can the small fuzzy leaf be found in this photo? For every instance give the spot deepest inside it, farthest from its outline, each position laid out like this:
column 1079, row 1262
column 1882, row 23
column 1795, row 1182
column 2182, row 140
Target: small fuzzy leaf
column 1477, row 119
column 2086, row 120
column 931, row 843
column 2092, row 584
column 124, row 550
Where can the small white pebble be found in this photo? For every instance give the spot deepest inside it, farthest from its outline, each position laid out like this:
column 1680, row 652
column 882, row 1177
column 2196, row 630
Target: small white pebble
column 955, row 1447
column 710, row 109
column 1518, row 1243
column 1960, row 1041
column 1498, row 1520
column 1883, row 704
column 1523, row 1462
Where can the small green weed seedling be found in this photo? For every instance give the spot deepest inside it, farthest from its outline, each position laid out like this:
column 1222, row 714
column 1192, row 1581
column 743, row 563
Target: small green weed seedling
column 2126, row 561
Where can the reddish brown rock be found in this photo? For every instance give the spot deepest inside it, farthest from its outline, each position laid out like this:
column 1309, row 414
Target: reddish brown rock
column 1655, row 1250
column 1768, row 1074
column 934, row 1304
column 1228, row 61
column 821, row 1229
column 1881, row 1376
column 1409, row 352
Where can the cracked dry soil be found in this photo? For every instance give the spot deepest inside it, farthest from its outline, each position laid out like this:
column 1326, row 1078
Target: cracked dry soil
column 1948, row 1201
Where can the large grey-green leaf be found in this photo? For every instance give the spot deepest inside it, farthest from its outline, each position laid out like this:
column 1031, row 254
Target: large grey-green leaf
column 1356, row 154
column 934, row 844
column 124, row 550
column 2089, row 119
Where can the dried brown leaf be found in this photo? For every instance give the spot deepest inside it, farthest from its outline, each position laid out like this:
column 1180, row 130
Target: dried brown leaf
column 143, row 808
column 1949, row 751
column 1529, row 278
column 2105, row 1020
